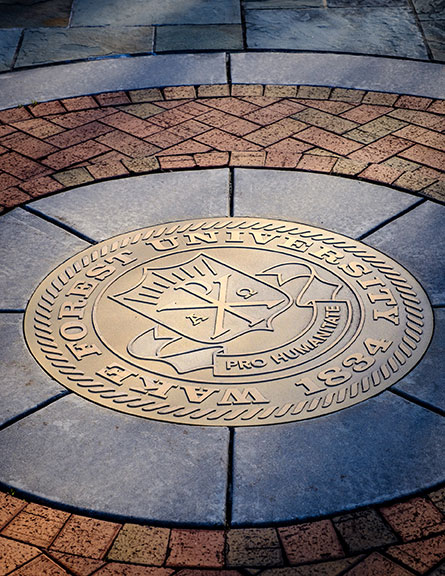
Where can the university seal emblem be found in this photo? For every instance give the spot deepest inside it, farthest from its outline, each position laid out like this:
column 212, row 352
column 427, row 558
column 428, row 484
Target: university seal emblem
column 229, row 322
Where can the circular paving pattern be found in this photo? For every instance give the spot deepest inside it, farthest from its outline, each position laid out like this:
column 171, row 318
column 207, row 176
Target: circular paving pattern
column 229, row 322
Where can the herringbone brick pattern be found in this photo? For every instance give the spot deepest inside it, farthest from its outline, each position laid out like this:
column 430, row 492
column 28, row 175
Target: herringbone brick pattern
column 402, row 539
column 387, row 138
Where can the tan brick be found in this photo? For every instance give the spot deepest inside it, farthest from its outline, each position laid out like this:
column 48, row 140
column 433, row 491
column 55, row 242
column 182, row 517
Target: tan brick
column 380, row 98
column 196, row 548
column 438, row 106
column 142, row 164
column 417, row 180
column 420, row 556
column 325, row 120
column 247, row 158
column 107, row 166
column 366, row 113
column 380, row 150
column 76, row 564
column 277, row 159
column 253, row 547
column 147, row 95
column 401, row 164
column 316, row 163
column 436, row 191
column 39, row 127
column 177, row 92
column 141, row 545
column 280, row 91
column 364, row 530
column 347, row 95
column 274, row 112
column 209, row 159
column 187, row 147
column 348, row 167
column 375, row 129
column 127, row 144
column 314, row 92
column 413, row 102
column 328, row 141
column 275, row 132
column 9, row 505
column 142, row 110
column 119, row 569
column 131, row 124
column 212, row 90
column 226, row 142
column 414, row 519
column 247, row 89
column 419, row 117
column 438, row 499
column 73, row 177
column 331, row 106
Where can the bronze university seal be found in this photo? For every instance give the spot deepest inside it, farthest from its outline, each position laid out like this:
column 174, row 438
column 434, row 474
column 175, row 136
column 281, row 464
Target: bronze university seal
column 229, row 322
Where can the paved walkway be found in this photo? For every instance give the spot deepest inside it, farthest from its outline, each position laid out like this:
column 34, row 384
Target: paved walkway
column 89, row 150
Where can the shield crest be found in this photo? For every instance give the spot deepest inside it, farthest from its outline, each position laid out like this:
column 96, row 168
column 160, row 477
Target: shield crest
column 205, row 300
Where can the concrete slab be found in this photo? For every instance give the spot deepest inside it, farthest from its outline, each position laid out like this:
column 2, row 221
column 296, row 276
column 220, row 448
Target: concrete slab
column 64, row 81
column 341, row 70
column 9, row 40
column 331, row 202
column 109, row 208
column 192, row 37
column 29, row 249
column 46, row 45
column 81, row 455
column 143, row 12
column 366, row 30
column 427, row 381
column 416, row 240
column 381, row 449
column 24, row 385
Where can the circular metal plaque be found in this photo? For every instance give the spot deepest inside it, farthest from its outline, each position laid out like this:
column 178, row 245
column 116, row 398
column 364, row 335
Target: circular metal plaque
column 229, row 322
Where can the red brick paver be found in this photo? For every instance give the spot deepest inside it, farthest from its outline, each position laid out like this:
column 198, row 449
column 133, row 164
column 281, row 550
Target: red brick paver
column 388, row 138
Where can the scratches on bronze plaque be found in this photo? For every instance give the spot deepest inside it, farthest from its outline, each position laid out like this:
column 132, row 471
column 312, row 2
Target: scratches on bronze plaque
column 229, row 322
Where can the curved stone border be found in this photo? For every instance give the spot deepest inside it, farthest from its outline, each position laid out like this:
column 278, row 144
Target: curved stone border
column 398, row 539
column 347, row 71
column 374, row 136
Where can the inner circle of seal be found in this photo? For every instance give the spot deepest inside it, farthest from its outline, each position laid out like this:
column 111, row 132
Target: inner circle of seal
column 229, row 322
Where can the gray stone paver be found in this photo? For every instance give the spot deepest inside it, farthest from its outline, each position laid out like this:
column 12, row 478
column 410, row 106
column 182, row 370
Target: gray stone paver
column 46, row 45
column 335, row 203
column 427, row 381
column 146, row 12
column 355, row 457
column 192, row 37
column 29, row 249
column 347, row 71
column 9, row 40
column 390, row 31
column 416, row 241
column 34, row 14
column 66, row 80
column 79, row 454
column 109, row 208
column 24, row 385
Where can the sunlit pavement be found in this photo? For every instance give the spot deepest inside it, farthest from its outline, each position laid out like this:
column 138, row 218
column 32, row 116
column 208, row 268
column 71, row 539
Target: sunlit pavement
column 342, row 130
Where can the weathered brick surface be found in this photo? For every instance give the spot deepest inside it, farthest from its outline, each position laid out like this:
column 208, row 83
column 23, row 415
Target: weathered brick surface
column 416, row 518
column 374, row 136
column 253, row 547
column 86, row 537
column 196, row 548
column 141, row 545
column 41, row 566
column 14, row 554
column 377, row 565
column 420, row 556
column 9, row 507
column 364, row 530
column 310, row 541
column 78, row 565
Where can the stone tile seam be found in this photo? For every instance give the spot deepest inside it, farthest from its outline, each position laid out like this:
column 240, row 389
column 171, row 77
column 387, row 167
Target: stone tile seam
column 58, row 223
column 391, row 219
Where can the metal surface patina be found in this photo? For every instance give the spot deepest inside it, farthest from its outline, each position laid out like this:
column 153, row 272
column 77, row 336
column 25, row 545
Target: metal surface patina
column 229, row 322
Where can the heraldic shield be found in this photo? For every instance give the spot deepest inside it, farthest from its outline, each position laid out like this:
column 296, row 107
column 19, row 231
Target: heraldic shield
column 201, row 308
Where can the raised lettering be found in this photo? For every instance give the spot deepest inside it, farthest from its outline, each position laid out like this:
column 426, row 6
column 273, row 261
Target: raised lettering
column 244, row 396
column 72, row 309
column 115, row 373
column 392, row 315
column 199, row 238
column 297, row 244
column 198, row 394
column 355, row 269
column 80, row 351
column 328, row 255
column 73, row 331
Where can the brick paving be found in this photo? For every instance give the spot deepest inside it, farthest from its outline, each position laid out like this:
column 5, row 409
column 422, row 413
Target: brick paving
column 384, row 138
column 404, row 538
